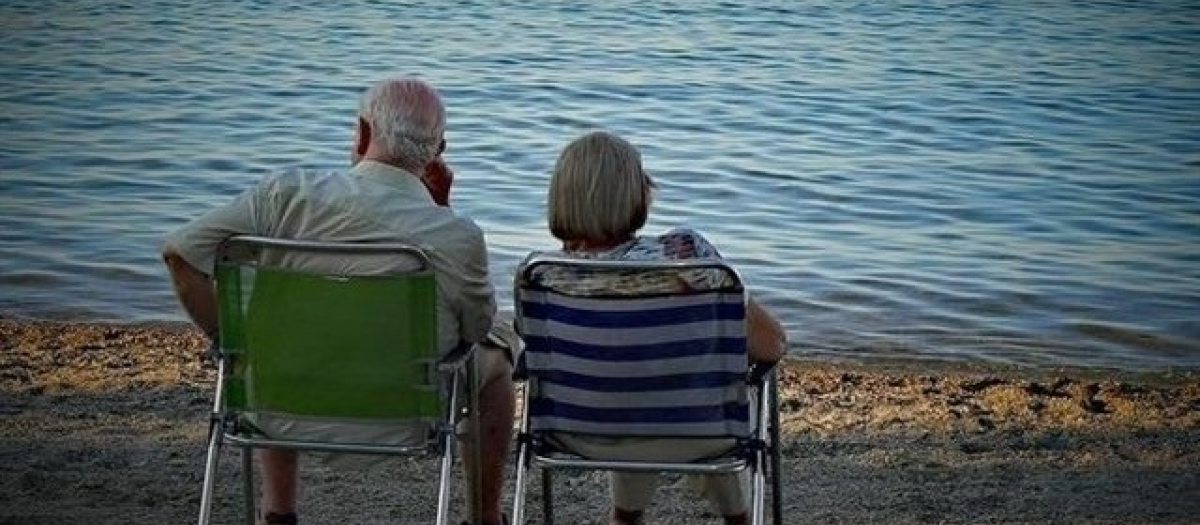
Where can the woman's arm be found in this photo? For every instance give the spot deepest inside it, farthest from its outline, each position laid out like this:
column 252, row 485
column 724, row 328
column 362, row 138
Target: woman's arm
column 764, row 335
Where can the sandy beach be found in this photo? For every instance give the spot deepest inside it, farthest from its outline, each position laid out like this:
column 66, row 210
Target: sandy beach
column 105, row 423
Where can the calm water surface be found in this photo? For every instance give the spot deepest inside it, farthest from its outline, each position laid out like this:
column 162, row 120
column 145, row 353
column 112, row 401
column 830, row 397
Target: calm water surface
column 1011, row 181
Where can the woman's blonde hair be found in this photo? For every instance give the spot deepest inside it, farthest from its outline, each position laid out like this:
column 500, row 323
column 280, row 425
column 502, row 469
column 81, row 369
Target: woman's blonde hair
column 598, row 192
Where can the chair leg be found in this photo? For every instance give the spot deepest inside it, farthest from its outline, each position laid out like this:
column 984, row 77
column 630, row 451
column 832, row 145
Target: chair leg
column 759, row 463
column 776, row 455
column 518, row 514
column 248, row 483
column 443, row 510
column 210, row 472
column 547, row 497
column 449, row 443
column 758, row 491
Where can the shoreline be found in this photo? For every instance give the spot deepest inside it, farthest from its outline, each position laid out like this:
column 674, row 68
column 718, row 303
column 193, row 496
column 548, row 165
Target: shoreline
column 105, row 422
column 180, row 330
column 868, row 355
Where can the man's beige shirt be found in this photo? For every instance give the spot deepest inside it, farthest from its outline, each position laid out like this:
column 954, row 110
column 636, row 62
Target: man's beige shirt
column 372, row 203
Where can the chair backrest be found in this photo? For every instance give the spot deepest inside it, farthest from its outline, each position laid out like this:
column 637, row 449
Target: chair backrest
column 344, row 331
column 624, row 348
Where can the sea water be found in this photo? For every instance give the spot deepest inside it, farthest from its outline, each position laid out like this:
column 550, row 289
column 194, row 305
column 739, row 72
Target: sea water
column 1012, row 182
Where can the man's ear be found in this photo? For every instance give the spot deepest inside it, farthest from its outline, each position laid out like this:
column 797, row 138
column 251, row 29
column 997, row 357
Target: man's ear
column 363, row 137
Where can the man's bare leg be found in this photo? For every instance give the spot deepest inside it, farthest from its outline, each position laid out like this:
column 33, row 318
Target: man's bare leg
column 497, row 406
column 278, row 469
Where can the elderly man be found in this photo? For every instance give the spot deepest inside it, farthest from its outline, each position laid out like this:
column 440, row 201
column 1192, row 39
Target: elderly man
column 396, row 191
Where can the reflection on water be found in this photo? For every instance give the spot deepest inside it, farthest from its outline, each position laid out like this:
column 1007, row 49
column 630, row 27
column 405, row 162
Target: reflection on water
column 1004, row 182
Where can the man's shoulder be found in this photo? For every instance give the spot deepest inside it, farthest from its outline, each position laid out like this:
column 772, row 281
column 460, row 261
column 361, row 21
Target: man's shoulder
column 301, row 176
column 457, row 227
column 467, row 224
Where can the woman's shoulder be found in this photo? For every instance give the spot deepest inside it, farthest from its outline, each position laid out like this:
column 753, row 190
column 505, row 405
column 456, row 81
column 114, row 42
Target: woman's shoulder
column 676, row 243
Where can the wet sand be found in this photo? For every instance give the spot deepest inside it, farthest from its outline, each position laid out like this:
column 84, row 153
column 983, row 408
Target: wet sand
column 105, row 423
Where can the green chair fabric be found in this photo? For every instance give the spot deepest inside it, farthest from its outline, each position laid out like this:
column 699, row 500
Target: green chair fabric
column 335, row 347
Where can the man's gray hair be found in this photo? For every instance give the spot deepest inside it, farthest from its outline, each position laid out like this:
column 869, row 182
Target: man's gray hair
column 407, row 119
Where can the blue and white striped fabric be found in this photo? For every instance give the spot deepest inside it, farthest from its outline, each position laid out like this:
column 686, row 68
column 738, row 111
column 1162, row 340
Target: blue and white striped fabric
column 666, row 365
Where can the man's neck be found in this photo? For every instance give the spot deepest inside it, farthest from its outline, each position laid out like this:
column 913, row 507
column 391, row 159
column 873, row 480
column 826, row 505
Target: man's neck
column 399, row 163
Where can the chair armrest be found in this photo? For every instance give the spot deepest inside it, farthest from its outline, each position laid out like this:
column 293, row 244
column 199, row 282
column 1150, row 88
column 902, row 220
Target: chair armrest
column 520, row 374
column 456, row 358
column 211, row 356
column 759, row 370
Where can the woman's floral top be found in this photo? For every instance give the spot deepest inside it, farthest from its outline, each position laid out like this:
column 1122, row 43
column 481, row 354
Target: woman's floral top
column 678, row 243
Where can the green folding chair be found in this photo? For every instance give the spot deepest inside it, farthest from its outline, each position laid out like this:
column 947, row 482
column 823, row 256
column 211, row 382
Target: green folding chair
column 338, row 334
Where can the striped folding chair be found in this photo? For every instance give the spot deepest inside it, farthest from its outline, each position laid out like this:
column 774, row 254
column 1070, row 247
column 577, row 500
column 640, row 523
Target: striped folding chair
column 331, row 347
column 623, row 349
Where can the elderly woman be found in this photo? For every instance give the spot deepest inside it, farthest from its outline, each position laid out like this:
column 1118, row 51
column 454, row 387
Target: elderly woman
column 599, row 199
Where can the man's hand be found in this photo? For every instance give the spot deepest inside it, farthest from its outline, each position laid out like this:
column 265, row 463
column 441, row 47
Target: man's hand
column 438, row 178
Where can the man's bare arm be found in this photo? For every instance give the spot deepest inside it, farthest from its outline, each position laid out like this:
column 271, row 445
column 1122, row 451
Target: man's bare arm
column 195, row 291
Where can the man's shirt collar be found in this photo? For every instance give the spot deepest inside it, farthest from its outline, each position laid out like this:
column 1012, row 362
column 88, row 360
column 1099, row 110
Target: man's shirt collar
column 397, row 178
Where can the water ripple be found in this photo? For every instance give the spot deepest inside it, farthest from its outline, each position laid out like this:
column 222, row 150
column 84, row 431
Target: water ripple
column 1003, row 181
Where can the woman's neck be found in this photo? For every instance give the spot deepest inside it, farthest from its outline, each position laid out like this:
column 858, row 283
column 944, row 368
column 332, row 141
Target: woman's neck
column 585, row 245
